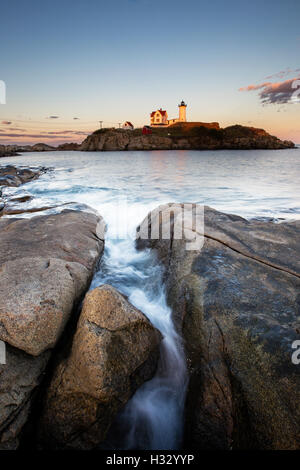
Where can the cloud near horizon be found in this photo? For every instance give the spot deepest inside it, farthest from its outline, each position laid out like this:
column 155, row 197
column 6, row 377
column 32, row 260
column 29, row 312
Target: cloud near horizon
column 64, row 132
column 16, row 129
column 44, row 135
column 274, row 92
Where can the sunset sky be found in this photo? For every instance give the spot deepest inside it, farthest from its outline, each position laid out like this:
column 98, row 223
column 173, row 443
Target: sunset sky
column 68, row 64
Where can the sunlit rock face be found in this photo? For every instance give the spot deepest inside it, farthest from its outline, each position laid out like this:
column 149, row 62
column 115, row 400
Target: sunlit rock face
column 46, row 265
column 236, row 302
column 114, row 351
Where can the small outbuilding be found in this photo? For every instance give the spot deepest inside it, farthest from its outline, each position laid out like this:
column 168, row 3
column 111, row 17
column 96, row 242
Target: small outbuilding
column 147, row 130
column 128, row 125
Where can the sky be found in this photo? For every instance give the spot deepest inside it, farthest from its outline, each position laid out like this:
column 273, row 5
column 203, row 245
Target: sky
column 69, row 64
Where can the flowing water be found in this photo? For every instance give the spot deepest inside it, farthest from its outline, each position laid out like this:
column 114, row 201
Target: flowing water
column 123, row 187
column 153, row 417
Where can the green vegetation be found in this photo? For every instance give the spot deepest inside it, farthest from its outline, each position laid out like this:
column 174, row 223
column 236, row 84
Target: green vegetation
column 193, row 130
column 104, row 130
column 179, row 131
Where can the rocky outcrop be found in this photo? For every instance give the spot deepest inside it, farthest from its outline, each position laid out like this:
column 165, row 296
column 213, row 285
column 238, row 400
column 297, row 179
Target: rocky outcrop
column 114, row 350
column 125, row 140
column 12, row 150
column 236, row 301
column 46, row 265
column 15, row 176
column 26, row 204
column 41, row 147
column 20, row 379
column 68, row 146
column 198, row 137
column 247, row 138
column 7, row 151
column 12, row 176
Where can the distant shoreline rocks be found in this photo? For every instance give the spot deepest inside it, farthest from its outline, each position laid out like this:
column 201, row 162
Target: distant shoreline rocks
column 7, row 151
column 14, row 150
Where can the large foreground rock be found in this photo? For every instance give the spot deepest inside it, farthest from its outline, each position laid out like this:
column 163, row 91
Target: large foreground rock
column 114, row 350
column 46, row 265
column 236, row 301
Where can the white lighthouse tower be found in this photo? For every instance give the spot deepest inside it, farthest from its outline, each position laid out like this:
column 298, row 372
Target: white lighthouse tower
column 182, row 111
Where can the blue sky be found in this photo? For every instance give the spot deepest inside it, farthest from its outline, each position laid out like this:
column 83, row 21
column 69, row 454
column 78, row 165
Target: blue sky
column 119, row 60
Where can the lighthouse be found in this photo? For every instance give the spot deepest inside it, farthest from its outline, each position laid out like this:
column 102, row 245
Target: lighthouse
column 159, row 117
column 182, row 111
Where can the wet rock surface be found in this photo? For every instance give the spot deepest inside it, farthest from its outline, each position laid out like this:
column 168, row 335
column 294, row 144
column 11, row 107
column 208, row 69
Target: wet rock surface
column 23, row 203
column 14, row 176
column 114, row 350
column 236, row 301
column 46, row 265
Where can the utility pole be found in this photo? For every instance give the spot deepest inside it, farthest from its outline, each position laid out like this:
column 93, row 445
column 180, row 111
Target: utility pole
column 119, row 125
column 100, row 122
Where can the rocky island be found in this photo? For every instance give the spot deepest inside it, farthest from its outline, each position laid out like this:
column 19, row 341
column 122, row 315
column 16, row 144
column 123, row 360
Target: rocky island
column 184, row 136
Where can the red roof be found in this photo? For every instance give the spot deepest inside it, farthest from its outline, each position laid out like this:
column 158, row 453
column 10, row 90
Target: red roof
column 160, row 111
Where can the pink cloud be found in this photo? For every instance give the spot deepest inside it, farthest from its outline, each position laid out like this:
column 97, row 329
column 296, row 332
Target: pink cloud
column 255, row 87
column 274, row 93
